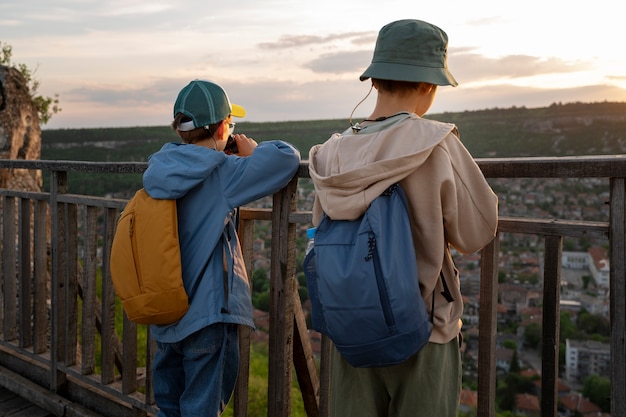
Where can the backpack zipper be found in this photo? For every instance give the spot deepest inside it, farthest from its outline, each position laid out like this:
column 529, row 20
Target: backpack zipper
column 133, row 244
column 382, row 288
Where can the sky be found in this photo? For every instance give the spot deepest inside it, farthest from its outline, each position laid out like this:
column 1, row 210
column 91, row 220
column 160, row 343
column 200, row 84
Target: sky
column 120, row 63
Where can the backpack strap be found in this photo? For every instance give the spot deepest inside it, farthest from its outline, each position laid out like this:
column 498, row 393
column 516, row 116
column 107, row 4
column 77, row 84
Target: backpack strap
column 231, row 224
column 446, row 291
column 227, row 253
column 225, row 279
column 446, row 294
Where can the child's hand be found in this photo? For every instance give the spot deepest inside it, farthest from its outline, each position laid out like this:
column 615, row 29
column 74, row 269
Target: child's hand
column 245, row 144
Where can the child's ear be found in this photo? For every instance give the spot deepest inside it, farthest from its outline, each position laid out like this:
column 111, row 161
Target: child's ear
column 425, row 88
column 220, row 130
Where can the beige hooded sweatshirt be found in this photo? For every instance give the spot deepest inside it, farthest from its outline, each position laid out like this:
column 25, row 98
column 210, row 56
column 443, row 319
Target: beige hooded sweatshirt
column 450, row 202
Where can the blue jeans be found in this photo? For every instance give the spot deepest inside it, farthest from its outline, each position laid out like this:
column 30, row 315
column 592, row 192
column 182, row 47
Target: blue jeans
column 196, row 376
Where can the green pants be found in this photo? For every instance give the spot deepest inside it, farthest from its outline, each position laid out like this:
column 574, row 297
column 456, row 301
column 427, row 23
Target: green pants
column 426, row 385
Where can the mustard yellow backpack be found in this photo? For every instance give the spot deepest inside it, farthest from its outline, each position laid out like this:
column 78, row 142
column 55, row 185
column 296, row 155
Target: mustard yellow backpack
column 145, row 261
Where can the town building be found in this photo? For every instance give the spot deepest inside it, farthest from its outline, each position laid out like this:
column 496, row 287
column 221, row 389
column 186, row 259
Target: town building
column 586, row 357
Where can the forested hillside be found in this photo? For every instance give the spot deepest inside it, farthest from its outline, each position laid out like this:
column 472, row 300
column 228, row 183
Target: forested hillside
column 557, row 130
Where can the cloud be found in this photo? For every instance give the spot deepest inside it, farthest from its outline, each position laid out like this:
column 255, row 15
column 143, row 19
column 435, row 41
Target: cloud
column 157, row 91
column 151, row 105
column 485, row 21
column 473, row 67
column 341, row 62
column 133, row 8
column 465, row 64
column 296, row 41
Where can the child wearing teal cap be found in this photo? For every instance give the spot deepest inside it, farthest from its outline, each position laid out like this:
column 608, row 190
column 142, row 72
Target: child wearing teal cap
column 197, row 358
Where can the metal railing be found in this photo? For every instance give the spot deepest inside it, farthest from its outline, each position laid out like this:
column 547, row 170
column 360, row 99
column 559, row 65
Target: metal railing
column 60, row 345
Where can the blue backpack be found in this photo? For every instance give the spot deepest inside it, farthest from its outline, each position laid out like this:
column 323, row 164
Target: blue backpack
column 363, row 284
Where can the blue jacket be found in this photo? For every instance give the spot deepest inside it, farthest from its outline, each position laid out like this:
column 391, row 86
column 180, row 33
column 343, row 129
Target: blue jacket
column 209, row 186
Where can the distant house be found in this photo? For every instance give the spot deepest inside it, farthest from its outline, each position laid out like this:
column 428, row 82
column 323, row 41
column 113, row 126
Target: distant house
column 469, row 401
column 595, row 260
column 575, row 260
column 599, row 266
column 570, row 305
column 595, row 304
column 586, row 357
column 514, row 297
column 527, row 405
column 504, row 357
column 562, row 387
column 575, row 404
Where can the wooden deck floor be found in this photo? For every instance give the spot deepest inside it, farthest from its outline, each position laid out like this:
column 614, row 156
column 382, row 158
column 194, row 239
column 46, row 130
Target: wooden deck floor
column 12, row 405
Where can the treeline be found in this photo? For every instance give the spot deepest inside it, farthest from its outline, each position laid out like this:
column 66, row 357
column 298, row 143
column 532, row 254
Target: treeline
column 557, row 130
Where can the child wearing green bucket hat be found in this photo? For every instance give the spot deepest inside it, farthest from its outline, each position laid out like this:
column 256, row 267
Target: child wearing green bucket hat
column 450, row 204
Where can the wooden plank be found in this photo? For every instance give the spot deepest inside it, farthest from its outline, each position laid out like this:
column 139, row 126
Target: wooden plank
column 618, row 297
column 325, row 377
column 71, row 286
column 107, row 326
column 554, row 227
column 25, row 276
column 76, row 166
column 240, row 400
column 36, row 394
column 251, row 213
column 150, row 351
column 12, row 405
column 9, row 282
column 40, row 272
column 304, row 360
column 551, row 326
column 488, row 329
column 604, row 166
column 282, row 282
column 18, row 406
column 58, row 185
column 129, row 356
column 88, row 291
column 598, row 166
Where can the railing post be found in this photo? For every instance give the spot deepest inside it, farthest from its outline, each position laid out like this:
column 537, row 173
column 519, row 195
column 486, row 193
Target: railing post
column 58, row 185
column 282, row 283
column 107, row 318
column 25, row 274
column 550, row 325
column 325, row 377
column 617, row 261
column 240, row 399
column 304, row 361
column 40, row 273
column 9, row 282
column 488, row 325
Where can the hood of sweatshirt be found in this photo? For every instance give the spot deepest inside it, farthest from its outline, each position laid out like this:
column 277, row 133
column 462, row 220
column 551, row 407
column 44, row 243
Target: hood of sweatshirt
column 351, row 169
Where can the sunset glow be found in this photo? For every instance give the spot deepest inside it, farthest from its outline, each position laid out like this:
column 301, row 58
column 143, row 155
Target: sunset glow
column 121, row 63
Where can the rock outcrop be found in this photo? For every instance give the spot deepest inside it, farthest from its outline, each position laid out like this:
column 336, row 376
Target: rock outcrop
column 20, row 133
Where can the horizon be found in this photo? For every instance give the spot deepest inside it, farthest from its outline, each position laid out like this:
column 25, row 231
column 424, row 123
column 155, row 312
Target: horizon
column 120, row 63
column 355, row 118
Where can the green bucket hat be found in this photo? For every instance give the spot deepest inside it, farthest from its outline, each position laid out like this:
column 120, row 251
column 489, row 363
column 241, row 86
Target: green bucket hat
column 205, row 103
column 411, row 50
